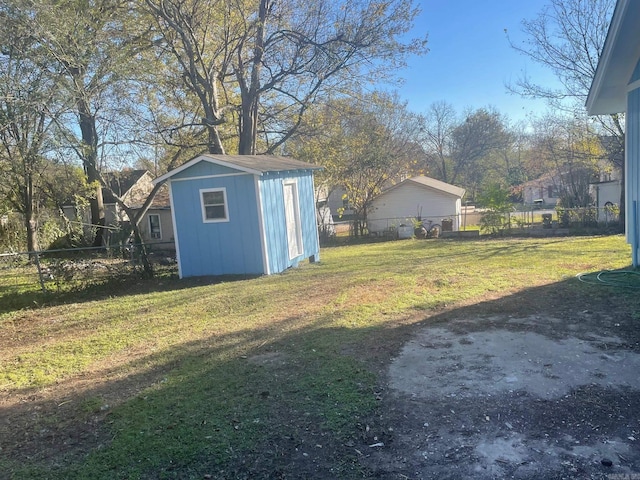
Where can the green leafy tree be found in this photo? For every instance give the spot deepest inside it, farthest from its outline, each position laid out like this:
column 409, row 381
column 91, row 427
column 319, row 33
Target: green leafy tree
column 364, row 145
column 497, row 201
column 28, row 99
column 91, row 50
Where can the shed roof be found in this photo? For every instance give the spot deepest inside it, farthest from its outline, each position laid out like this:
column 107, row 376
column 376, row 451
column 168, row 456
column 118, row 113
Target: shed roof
column 255, row 164
column 430, row 183
column 608, row 92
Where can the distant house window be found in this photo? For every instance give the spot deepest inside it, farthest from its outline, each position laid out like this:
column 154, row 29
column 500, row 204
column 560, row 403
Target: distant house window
column 154, row 226
column 214, row 205
column 552, row 191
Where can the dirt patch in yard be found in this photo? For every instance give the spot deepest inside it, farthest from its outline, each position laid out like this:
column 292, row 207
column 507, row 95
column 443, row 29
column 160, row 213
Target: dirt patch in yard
column 552, row 394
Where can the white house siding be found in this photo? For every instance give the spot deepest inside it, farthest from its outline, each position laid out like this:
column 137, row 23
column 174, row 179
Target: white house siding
column 605, row 193
column 540, row 191
column 408, row 201
column 337, row 203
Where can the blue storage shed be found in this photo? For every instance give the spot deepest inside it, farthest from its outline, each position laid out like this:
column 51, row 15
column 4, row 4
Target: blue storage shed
column 242, row 214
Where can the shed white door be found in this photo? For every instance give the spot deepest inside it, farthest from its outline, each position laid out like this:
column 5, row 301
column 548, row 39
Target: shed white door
column 292, row 218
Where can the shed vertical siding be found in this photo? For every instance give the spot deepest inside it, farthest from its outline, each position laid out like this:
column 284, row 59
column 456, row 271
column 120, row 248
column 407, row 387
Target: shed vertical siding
column 306, row 190
column 274, row 222
column 632, row 165
column 272, row 200
column 225, row 247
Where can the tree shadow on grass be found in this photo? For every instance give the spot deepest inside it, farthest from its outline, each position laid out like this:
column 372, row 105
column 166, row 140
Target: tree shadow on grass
column 280, row 401
column 120, row 285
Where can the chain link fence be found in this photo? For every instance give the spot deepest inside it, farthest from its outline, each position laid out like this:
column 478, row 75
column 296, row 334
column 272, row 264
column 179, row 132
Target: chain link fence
column 71, row 269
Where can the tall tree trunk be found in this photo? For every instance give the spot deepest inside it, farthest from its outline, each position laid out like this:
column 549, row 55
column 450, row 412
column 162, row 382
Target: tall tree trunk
column 89, row 149
column 98, row 219
column 248, row 123
column 32, row 232
column 214, row 146
column 251, row 93
column 30, row 216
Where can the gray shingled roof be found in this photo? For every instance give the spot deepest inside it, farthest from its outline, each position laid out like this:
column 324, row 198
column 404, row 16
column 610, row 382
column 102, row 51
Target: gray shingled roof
column 263, row 163
column 120, row 183
column 431, row 183
column 256, row 164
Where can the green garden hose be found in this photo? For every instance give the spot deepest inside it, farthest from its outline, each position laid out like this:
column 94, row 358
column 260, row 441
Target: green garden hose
column 612, row 278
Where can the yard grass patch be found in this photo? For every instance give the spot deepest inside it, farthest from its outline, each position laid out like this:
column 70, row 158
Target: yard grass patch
column 194, row 377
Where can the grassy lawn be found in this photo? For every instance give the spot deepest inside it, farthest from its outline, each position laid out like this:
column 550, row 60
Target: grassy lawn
column 237, row 379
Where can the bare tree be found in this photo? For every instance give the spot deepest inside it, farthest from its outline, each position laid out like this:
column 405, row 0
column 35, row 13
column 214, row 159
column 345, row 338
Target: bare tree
column 439, row 123
column 571, row 149
column 456, row 149
column 567, row 37
column 198, row 36
column 264, row 63
column 323, row 47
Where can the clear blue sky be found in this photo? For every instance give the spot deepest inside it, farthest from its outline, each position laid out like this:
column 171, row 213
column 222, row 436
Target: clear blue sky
column 470, row 60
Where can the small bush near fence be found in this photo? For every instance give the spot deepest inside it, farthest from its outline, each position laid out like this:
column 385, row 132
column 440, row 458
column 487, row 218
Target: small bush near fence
column 28, row 276
column 589, row 219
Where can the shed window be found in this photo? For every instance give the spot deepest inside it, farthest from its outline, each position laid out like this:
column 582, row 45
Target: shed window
column 214, row 205
column 154, row 226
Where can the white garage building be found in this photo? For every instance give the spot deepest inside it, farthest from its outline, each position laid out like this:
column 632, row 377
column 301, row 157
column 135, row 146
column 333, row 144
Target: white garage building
column 423, row 198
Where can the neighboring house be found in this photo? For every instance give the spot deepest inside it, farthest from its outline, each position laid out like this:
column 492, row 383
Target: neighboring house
column 551, row 187
column 156, row 226
column 616, row 88
column 421, row 197
column 242, row 214
column 133, row 187
column 324, row 216
column 338, row 202
column 607, row 190
column 544, row 190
